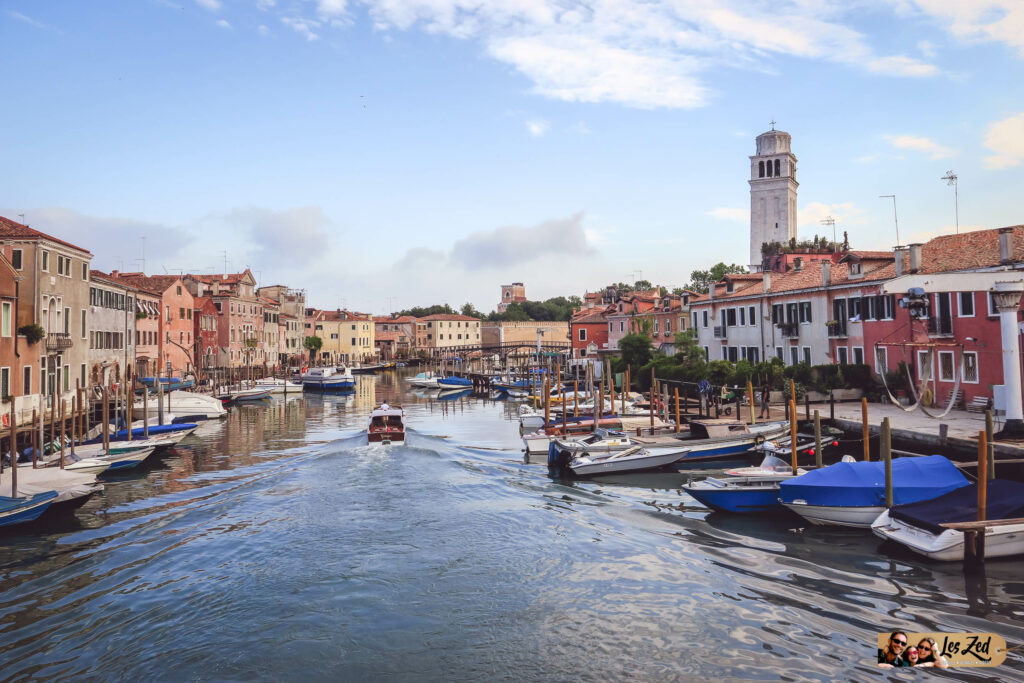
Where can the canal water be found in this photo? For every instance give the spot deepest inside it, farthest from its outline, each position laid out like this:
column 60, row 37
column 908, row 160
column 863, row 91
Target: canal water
column 276, row 544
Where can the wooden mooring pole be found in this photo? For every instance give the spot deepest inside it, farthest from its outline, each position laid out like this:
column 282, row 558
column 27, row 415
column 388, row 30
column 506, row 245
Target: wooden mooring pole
column 817, row 439
column 865, row 431
column 750, row 400
column 885, row 446
column 677, row 409
column 792, row 432
column 974, row 539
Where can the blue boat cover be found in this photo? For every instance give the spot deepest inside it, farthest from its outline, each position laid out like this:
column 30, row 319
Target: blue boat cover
column 862, row 484
column 154, row 430
column 1004, row 500
column 455, row 381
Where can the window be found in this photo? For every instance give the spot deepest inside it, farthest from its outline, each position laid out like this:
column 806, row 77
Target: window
column 85, row 278
column 611, row 327
column 27, row 380
column 178, row 290
column 776, row 167
column 752, row 354
column 946, row 371
column 67, row 377
column 707, row 353
column 656, row 326
column 730, row 317
column 888, row 306
column 924, row 368
column 5, row 382
column 970, row 360
column 583, row 334
column 668, row 327
column 354, row 340
column 67, row 321
column 842, row 355
column 792, row 313
column 5, row 320
column 805, row 311
column 16, row 259
column 743, row 316
column 966, row 304
column 622, row 326
column 778, row 353
column 777, row 316
column 854, row 304
column 85, row 329
column 705, row 318
column 46, row 261
column 794, row 355
column 760, row 169
column 807, row 355
column 858, row 355
column 751, row 317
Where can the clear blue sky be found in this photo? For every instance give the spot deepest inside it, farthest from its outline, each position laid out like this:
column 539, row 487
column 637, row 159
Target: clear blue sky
column 385, row 154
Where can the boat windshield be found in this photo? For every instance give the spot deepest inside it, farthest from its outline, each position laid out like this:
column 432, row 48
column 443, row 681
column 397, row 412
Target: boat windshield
column 774, row 464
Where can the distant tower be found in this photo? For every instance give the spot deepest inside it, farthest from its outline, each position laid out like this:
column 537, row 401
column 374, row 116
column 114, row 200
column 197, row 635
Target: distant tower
column 510, row 294
column 772, row 193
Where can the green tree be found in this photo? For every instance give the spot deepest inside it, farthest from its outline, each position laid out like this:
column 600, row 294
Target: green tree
column 313, row 344
column 642, row 285
column 700, row 280
column 470, row 310
column 636, row 350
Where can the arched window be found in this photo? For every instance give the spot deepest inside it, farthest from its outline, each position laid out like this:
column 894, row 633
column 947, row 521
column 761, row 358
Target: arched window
column 760, row 169
column 776, row 167
column 769, row 168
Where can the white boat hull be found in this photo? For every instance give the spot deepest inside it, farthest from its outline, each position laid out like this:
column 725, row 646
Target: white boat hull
column 1000, row 541
column 645, row 460
column 860, row 517
column 69, row 485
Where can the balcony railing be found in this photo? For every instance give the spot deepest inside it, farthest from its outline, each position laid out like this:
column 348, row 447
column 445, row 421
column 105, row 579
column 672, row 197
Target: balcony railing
column 789, row 329
column 940, row 328
column 836, row 328
column 721, row 331
column 58, row 341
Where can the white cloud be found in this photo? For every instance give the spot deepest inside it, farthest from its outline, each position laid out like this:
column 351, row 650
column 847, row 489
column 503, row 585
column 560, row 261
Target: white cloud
column 26, row 19
column 901, row 66
column 926, row 48
column 263, row 30
column 919, row 143
column 1006, row 139
column 729, row 214
column 212, row 5
column 510, row 245
column 979, row 20
column 537, row 127
column 223, row 23
column 332, row 8
column 265, row 4
column 285, row 235
column 304, row 27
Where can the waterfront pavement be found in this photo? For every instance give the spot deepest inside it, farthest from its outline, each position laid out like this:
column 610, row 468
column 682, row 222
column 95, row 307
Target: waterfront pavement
column 963, row 426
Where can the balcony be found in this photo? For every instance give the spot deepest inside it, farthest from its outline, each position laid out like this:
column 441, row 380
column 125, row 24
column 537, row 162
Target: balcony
column 721, row 331
column 937, row 327
column 58, row 341
column 790, row 330
column 836, row 328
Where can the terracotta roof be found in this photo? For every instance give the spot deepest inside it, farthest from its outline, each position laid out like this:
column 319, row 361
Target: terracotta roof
column 870, row 254
column 154, row 284
column 99, row 275
column 12, row 230
column 809, row 277
column 390, row 335
column 269, row 302
column 449, row 316
column 968, row 250
column 342, row 316
column 221, row 278
column 592, row 317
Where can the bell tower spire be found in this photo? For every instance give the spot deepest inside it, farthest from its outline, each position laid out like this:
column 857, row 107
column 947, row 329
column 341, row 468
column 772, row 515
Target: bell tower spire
column 773, row 188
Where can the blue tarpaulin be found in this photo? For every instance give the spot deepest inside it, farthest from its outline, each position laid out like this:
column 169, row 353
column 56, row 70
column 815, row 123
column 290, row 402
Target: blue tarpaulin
column 862, row 484
column 1004, row 500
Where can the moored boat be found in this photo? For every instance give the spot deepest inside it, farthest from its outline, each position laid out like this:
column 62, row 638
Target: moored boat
column 453, row 382
column 423, row 379
column 184, row 403
column 634, row 459
column 328, row 379
column 853, row 493
column 737, row 494
column 70, row 486
column 922, row 526
column 387, row 425
column 20, row 510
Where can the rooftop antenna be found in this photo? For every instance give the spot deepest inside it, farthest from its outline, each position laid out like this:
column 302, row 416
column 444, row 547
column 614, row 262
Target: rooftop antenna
column 828, row 220
column 22, row 217
column 951, row 179
column 225, row 254
column 143, row 259
column 894, row 216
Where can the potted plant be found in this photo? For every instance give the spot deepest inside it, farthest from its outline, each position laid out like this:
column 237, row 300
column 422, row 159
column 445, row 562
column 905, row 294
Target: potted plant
column 32, row 333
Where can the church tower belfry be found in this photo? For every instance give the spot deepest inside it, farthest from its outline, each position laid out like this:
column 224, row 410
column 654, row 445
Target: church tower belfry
column 772, row 193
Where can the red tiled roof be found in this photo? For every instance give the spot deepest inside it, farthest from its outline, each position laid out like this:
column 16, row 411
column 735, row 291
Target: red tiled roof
column 448, row 316
column 154, row 284
column 221, row 278
column 390, row 335
column 968, row 250
column 12, row 230
column 105, row 277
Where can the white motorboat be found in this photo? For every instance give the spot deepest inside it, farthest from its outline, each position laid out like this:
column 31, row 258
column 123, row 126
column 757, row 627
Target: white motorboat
column 277, row 385
column 328, row 379
column 250, row 394
column 69, row 485
column 634, row 459
column 771, row 466
column 185, row 404
column 423, row 379
column 925, row 527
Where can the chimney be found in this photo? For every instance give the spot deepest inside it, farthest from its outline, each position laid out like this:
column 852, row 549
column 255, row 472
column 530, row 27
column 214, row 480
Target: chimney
column 711, row 291
column 798, row 264
column 1005, row 246
column 826, row 273
column 915, row 257
column 767, row 281
column 114, row 273
column 898, row 257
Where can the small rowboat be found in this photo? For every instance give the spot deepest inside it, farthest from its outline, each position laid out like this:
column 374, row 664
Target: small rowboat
column 387, row 425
